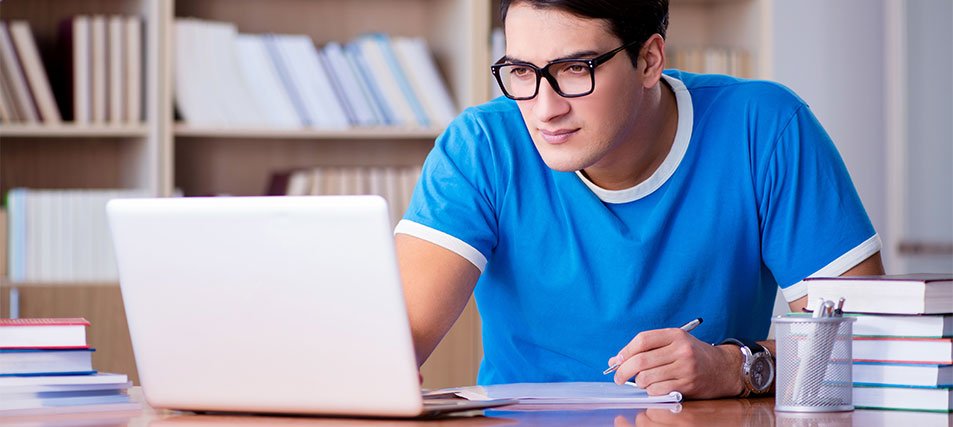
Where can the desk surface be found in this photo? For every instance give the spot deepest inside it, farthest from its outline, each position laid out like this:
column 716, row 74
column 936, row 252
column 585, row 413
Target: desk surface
column 723, row 412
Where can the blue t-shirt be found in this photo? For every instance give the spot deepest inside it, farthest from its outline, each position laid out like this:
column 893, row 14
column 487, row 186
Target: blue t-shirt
column 752, row 195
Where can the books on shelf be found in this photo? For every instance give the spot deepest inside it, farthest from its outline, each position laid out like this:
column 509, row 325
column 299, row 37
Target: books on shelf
column 101, row 71
column 61, row 235
column 921, row 293
column 227, row 79
column 394, row 184
column 47, row 333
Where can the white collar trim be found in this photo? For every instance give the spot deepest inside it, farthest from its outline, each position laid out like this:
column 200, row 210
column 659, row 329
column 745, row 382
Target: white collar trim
column 683, row 134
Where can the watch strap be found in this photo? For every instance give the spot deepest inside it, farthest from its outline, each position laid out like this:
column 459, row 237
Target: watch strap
column 754, row 348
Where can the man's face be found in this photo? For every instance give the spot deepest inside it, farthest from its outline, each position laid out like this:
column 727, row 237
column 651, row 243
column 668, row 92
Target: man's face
column 574, row 133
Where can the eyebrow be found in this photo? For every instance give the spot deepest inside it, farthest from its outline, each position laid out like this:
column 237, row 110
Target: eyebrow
column 579, row 54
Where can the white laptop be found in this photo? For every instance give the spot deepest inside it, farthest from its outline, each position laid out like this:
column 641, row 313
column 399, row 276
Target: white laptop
column 269, row 305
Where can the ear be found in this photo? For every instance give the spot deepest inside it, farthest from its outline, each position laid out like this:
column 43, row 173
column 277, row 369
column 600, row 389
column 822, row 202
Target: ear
column 652, row 59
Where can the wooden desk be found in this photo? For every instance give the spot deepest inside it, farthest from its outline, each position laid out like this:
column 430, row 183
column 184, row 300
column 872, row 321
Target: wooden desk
column 724, row 412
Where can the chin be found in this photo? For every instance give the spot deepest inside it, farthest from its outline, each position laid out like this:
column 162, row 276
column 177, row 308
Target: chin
column 561, row 161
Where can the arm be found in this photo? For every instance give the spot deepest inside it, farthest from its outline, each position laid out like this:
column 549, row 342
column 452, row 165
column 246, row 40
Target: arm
column 664, row 360
column 437, row 285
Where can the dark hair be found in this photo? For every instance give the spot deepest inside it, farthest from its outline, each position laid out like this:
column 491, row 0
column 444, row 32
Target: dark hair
column 629, row 20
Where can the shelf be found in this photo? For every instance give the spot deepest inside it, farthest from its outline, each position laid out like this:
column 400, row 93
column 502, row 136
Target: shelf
column 7, row 284
column 72, row 131
column 184, row 130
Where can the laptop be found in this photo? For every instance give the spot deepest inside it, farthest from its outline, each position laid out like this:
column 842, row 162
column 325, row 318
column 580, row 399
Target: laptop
column 269, row 305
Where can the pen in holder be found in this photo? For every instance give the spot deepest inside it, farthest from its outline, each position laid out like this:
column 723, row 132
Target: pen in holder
column 814, row 362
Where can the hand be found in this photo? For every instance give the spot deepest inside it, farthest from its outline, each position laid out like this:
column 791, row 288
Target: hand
column 666, row 360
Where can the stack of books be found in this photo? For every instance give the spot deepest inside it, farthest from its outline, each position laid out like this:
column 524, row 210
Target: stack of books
column 903, row 338
column 46, row 367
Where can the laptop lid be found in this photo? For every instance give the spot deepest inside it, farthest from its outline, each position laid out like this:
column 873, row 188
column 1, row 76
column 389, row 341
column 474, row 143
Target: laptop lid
column 266, row 304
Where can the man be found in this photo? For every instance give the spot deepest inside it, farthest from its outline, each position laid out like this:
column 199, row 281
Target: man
column 606, row 200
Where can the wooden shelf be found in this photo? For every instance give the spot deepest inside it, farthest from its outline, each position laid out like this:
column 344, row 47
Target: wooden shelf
column 70, row 130
column 382, row 133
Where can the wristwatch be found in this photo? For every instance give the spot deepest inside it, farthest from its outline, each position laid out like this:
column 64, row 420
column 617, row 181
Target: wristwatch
column 757, row 371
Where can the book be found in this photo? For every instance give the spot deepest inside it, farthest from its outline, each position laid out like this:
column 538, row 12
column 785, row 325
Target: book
column 267, row 91
column 918, row 399
column 35, row 72
column 116, row 71
column 564, row 393
column 921, row 326
column 81, row 78
column 902, row 375
column 132, row 31
column 46, row 361
column 99, row 378
column 13, row 74
column 937, row 351
column 920, row 293
column 98, row 66
column 43, row 333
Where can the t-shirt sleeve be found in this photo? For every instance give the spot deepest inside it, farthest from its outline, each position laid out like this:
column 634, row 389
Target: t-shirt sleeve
column 812, row 219
column 452, row 203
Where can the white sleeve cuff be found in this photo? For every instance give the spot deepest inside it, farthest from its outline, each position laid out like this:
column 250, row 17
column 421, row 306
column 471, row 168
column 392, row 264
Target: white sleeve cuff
column 837, row 267
column 442, row 239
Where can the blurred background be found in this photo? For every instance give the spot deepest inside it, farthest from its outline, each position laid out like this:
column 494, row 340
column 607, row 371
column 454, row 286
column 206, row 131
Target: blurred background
column 123, row 98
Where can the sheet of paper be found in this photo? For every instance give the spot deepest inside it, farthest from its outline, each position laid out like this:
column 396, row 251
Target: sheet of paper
column 565, row 393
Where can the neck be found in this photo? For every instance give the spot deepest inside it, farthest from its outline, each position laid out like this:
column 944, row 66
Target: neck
column 646, row 144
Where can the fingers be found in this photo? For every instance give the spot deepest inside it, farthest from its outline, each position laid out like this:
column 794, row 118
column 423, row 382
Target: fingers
column 647, row 350
column 642, row 363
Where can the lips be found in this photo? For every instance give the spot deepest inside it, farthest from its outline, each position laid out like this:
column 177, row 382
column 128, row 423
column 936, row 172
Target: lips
column 557, row 136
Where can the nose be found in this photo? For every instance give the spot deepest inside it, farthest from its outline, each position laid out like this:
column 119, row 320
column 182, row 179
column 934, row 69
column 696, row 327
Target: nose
column 548, row 104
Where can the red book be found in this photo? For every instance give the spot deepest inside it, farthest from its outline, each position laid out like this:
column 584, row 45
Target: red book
column 43, row 333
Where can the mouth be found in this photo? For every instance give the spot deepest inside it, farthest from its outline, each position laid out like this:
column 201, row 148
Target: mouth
column 557, row 136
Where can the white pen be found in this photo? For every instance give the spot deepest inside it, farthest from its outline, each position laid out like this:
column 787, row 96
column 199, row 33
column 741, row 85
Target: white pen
column 686, row 327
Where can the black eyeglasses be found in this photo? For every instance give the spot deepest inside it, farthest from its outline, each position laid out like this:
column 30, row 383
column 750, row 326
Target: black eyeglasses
column 570, row 78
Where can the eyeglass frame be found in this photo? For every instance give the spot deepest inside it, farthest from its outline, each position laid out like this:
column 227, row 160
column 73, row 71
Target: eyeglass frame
column 541, row 73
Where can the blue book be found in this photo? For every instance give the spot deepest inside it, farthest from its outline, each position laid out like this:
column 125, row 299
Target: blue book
column 33, row 362
column 384, row 42
column 354, row 54
column 282, row 68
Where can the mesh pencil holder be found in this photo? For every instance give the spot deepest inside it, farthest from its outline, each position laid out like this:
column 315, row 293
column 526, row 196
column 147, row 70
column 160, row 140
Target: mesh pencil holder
column 813, row 364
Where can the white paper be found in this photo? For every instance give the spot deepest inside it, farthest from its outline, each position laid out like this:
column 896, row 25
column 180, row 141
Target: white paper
column 565, row 393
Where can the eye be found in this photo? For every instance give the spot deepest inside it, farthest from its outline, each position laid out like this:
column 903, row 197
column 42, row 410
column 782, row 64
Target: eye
column 577, row 68
column 518, row 71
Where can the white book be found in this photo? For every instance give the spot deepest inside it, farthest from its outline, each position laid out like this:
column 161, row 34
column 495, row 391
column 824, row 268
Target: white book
column 116, row 74
column 373, row 96
column 392, row 192
column 437, row 93
column 922, row 326
column 132, row 28
column 299, row 183
column 497, row 50
column 386, row 81
column 33, row 361
column 317, row 181
column 82, row 102
column 232, row 93
column 26, row 109
column 923, row 399
column 886, row 294
column 350, row 85
column 99, row 378
column 36, row 76
column 314, row 88
column 262, row 79
column 196, row 93
column 98, row 66
column 402, row 51
column 902, row 374
column 375, row 181
column 903, row 350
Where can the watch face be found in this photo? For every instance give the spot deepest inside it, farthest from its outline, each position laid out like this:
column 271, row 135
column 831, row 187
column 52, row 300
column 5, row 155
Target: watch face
column 762, row 373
